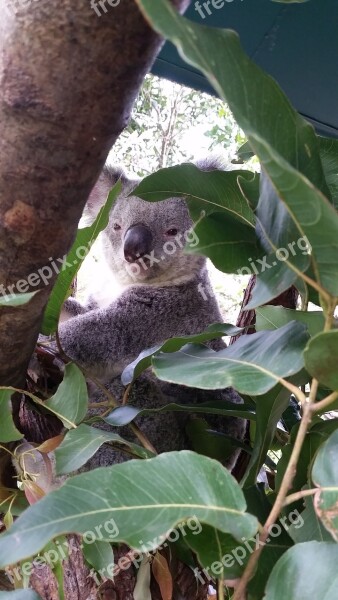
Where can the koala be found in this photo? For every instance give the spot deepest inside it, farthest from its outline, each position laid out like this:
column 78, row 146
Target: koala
column 162, row 296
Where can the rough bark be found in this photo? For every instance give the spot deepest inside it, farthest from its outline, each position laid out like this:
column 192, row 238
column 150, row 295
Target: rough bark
column 68, row 79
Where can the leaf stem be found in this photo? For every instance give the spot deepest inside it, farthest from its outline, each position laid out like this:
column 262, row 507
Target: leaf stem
column 291, row 498
column 325, row 403
column 220, row 591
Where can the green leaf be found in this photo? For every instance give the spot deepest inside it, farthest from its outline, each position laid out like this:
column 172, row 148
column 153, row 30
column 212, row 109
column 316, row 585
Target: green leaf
column 321, row 358
column 329, row 155
column 123, row 415
column 99, row 555
column 273, row 278
column 273, row 317
column 325, row 475
column 205, row 192
column 211, row 443
column 20, row 595
column 245, row 152
column 227, row 242
column 134, row 499
column 269, row 410
column 70, row 402
column 305, row 571
column 143, row 361
column 314, row 439
column 17, row 299
column 8, row 431
column 253, row 365
column 218, row 553
column 82, row 443
column 308, row 527
column 83, row 242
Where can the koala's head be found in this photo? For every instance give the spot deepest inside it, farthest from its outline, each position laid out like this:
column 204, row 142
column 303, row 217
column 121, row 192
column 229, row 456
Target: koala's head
column 144, row 241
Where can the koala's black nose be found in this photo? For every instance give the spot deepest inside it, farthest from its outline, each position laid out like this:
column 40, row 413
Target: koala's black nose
column 137, row 242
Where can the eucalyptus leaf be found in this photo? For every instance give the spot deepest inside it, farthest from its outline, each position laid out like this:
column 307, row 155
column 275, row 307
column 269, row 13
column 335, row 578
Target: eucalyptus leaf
column 229, row 243
column 99, row 555
column 273, row 317
column 253, row 365
column 140, row 498
column 205, row 191
column 269, row 410
column 321, row 358
column 8, row 431
column 70, row 401
column 325, row 475
column 123, row 415
column 307, row 570
column 84, row 240
column 143, row 361
column 82, row 443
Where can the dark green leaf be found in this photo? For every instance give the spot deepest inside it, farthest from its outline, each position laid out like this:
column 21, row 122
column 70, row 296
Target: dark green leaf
column 307, row 526
column 70, row 401
column 211, row 443
column 325, row 475
column 305, row 571
column 83, row 242
column 321, row 358
column 329, row 155
column 8, row 431
column 269, row 410
column 205, row 192
column 227, row 242
column 123, row 415
column 82, row 443
column 273, row 317
column 99, row 555
column 143, row 361
column 253, row 365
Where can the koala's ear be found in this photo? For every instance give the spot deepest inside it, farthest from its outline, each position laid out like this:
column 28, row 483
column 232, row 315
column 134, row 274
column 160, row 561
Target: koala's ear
column 211, row 163
column 107, row 179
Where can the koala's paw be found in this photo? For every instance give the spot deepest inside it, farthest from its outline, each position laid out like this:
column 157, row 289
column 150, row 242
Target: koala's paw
column 71, row 308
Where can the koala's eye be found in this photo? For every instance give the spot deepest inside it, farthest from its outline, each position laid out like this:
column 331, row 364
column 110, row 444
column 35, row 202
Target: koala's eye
column 116, row 227
column 172, row 232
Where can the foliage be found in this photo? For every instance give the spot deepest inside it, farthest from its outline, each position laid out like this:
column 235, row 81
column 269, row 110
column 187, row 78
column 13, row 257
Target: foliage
column 165, row 121
column 272, row 541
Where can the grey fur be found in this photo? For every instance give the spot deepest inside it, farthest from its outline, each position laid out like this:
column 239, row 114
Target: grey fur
column 159, row 301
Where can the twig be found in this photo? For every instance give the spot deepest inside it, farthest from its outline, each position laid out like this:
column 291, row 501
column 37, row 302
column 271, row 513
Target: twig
column 323, row 404
column 126, row 395
column 291, row 498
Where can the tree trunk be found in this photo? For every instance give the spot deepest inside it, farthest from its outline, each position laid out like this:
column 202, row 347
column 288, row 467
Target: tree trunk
column 68, row 82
